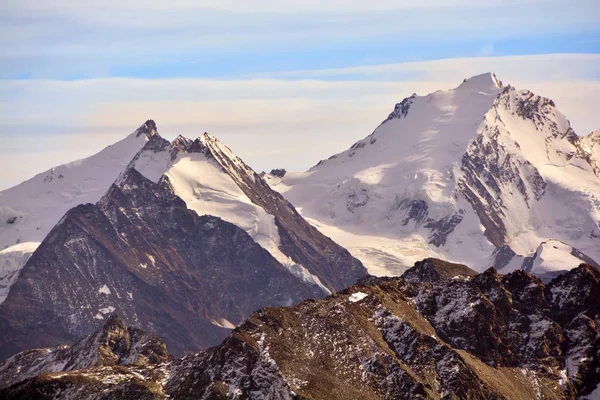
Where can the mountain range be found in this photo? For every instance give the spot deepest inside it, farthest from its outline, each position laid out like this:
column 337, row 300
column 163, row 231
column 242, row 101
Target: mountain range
column 357, row 267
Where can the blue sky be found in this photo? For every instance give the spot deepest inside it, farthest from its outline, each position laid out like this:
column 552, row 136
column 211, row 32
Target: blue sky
column 277, row 71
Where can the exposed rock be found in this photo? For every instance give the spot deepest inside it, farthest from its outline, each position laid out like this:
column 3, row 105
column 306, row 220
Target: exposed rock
column 279, row 172
column 482, row 336
column 114, row 344
column 300, row 241
column 141, row 253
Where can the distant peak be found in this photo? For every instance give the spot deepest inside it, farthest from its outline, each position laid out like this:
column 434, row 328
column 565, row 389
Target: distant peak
column 208, row 137
column 481, row 82
column 148, row 128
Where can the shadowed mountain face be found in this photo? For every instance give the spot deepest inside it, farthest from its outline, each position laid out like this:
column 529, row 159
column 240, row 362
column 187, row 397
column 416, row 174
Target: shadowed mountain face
column 141, row 253
column 457, row 336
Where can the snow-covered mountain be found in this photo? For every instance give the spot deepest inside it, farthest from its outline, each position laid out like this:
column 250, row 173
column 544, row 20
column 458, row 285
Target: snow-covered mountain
column 212, row 180
column 440, row 331
column 481, row 174
column 186, row 243
column 30, row 210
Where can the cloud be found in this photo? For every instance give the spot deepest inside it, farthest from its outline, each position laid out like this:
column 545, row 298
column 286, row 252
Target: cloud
column 66, row 39
column 292, row 121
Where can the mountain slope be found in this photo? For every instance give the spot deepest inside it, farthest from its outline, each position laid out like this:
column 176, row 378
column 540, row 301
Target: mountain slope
column 142, row 253
column 462, row 336
column 481, row 174
column 212, row 180
column 30, row 210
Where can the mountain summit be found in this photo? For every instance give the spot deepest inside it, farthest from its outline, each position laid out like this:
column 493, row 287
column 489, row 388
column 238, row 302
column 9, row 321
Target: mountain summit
column 186, row 242
column 482, row 174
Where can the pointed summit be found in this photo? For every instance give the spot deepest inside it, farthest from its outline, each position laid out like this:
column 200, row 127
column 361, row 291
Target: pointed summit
column 484, row 83
column 148, row 128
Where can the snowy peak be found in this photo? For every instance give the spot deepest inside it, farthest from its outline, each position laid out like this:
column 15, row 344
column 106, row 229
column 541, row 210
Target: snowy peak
column 30, row 210
column 458, row 174
column 553, row 257
column 481, row 83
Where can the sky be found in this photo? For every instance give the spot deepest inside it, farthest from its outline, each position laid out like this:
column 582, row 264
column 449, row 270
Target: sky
column 283, row 83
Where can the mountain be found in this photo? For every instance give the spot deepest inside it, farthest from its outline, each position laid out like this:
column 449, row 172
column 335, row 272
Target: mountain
column 210, row 179
column 186, row 244
column 453, row 334
column 30, row 210
column 482, row 174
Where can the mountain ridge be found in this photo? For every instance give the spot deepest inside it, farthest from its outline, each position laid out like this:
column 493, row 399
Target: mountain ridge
column 456, row 336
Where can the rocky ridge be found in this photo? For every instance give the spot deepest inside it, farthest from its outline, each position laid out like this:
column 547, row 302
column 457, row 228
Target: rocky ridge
column 447, row 333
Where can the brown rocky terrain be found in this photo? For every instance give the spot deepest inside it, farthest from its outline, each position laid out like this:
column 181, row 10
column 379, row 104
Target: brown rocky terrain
column 461, row 336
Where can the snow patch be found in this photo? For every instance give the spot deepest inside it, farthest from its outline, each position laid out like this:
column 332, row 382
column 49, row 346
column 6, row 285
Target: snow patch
column 12, row 260
column 104, row 290
column 358, row 296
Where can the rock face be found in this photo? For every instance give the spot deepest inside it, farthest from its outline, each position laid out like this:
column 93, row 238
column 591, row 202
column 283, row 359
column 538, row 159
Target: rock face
column 482, row 174
column 30, row 210
column 141, row 253
column 454, row 336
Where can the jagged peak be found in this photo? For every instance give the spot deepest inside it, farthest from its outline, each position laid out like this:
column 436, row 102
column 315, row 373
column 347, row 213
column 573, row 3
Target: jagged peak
column 482, row 82
column 593, row 137
column 181, row 140
column 148, row 128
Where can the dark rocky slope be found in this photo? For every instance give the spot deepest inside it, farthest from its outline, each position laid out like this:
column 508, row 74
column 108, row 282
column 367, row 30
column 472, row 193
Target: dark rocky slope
column 453, row 337
column 142, row 254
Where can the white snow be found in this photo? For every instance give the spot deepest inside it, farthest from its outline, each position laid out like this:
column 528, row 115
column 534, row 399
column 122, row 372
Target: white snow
column 223, row 323
column 104, row 289
column 107, row 310
column 12, row 259
column 409, row 158
column 207, row 189
column 553, row 255
column 358, row 296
